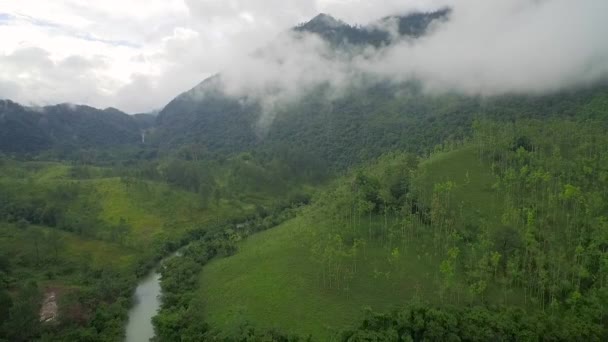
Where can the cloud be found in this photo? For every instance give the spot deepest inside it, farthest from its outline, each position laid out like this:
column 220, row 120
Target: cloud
column 137, row 55
column 488, row 48
column 500, row 46
column 142, row 53
column 29, row 75
column 365, row 11
column 93, row 51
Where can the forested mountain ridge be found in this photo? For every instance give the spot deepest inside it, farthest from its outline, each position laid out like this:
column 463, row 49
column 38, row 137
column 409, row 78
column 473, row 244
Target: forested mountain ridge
column 364, row 120
column 35, row 129
column 223, row 123
column 360, row 125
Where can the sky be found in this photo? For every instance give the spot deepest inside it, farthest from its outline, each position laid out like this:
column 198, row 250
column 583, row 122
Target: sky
column 137, row 55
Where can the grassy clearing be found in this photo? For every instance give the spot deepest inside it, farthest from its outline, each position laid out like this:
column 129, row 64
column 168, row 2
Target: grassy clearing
column 272, row 282
column 147, row 207
column 155, row 209
column 473, row 181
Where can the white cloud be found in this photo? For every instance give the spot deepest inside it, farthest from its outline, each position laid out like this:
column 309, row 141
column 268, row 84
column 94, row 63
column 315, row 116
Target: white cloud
column 142, row 53
column 138, row 54
column 514, row 46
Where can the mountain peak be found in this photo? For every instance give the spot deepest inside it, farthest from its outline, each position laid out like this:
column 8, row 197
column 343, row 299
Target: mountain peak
column 327, row 20
column 321, row 22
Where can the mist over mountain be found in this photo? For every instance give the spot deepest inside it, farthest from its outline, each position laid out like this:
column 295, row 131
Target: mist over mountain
column 34, row 129
column 394, row 74
column 324, row 84
column 235, row 109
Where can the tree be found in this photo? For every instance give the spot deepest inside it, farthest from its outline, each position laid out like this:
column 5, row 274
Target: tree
column 5, row 306
column 24, row 321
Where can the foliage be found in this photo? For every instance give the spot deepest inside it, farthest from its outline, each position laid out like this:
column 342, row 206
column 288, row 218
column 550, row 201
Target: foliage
column 363, row 123
column 181, row 316
column 420, row 322
column 512, row 220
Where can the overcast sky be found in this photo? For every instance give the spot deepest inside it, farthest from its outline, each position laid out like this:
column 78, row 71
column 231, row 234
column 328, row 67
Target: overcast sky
column 136, row 55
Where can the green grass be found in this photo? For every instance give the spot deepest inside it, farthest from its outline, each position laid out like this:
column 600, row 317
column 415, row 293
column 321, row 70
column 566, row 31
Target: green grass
column 102, row 254
column 473, row 180
column 146, row 208
column 272, row 281
column 153, row 210
column 51, row 171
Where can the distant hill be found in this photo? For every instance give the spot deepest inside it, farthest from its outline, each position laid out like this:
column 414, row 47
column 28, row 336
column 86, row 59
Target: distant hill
column 34, row 129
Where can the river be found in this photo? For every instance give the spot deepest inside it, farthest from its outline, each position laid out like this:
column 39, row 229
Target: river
column 146, row 306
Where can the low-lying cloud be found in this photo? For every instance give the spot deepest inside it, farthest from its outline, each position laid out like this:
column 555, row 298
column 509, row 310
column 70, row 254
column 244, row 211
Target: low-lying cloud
column 485, row 48
column 506, row 46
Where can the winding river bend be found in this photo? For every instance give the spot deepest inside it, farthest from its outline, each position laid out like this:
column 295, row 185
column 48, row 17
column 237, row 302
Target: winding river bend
column 147, row 304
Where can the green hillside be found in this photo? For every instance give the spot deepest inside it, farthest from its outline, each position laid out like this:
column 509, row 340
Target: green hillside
column 274, row 282
column 459, row 228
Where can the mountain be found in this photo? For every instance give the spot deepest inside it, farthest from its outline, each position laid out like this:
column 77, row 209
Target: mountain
column 206, row 115
column 219, row 122
column 145, row 120
column 415, row 24
column 337, row 32
column 34, row 129
column 363, row 122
